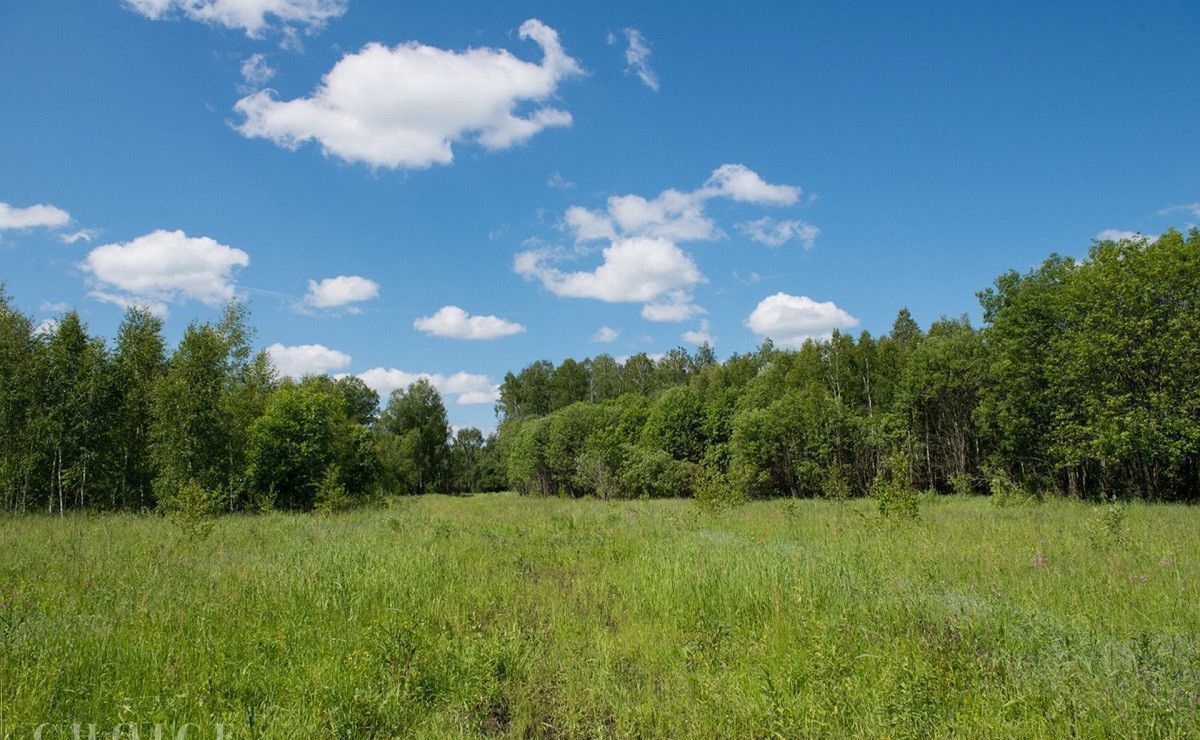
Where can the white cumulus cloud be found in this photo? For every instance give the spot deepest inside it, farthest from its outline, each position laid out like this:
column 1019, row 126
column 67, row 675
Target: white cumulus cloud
column 789, row 319
column 306, row 359
column 466, row 388
column 167, row 266
column 339, row 292
column 676, row 306
column 605, row 334
column 700, row 336
column 635, row 270
column 675, row 214
column 739, row 182
column 452, row 321
column 407, row 105
column 252, row 16
column 38, row 215
column 774, row 233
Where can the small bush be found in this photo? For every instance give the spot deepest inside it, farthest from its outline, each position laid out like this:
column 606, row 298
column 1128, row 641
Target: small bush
column 331, row 494
column 1007, row 492
column 836, row 484
column 193, row 508
column 1106, row 527
column 594, row 474
column 714, row 492
column 962, row 484
column 649, row 473
column 892, row 491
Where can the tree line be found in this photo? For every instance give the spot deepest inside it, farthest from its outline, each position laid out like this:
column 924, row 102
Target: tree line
column 1084, row 380
column 1081, row 381
column 87, row 427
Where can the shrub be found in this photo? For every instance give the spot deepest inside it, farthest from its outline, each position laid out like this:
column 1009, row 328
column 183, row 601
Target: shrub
column 654, row 474
column 331, row 495
column 594, row 474
column 892, row 491
column 1006, row 491
column 714, row 491
column 962, row 484
column 836, row 484
column 1106, row 527
column 193, row 507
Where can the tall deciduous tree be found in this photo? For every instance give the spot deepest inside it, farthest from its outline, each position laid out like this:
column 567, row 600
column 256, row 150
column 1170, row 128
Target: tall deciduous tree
column 415, row 436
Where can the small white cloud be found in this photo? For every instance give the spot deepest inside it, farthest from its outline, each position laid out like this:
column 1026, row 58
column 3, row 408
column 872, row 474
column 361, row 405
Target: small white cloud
column 49, row 307
column 1192, row 208
column 46, row 328
column 167, row 266
column 306, row 359
column 774, row 233
column 408, row 105
column 158, row 308
column 605, row 334
column 675, row 214
column 252, row 16
column 637, row 57
column 255, row 73
column 703, row 335
column 677, row 307
column 589, row 225
column 340, row 292
column 452, row 321
column 636, row 270
column 86, row 235
column 740, row 183
column 466, row 388
column 558, row 182
column 1117, row 235
column 789, row 319
column 39, row 215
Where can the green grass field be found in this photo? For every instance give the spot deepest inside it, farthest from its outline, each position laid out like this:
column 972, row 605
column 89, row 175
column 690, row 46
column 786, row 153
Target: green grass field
column 503, row 616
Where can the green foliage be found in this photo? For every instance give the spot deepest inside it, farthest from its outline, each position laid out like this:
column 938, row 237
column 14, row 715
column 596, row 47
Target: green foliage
column 331, row 495
column 189, row 430
column 836, row 485
column 1092, row 369
column 648, row 473
column 416, row 434
column 676, row 424
column 962, row 484
column 1005, row 491
column 786, row 447
column 1081, row 383
column 193, row 507
column 303, row 435
column 1106, row 526
column 713, row 491
column 893, row 492
column 596, row 474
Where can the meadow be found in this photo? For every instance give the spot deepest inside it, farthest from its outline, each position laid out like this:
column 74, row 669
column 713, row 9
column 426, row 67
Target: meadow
column 506, row 616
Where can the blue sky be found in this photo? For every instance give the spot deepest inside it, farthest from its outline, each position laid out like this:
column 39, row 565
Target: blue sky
column 796, row 168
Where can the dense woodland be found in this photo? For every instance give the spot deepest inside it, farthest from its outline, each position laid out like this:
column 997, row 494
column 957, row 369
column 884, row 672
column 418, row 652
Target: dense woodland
column 1082, row 381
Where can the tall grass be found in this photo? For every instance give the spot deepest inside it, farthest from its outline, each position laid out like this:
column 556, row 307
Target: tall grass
column 505, row 616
